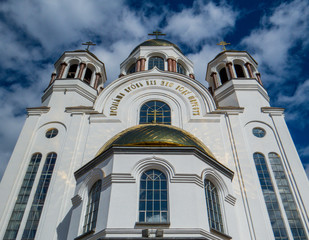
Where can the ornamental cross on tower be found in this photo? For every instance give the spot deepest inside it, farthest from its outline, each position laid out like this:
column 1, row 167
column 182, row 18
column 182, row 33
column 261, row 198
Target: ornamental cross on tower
column 88, row 44
column 223, row 44
column 157, row 33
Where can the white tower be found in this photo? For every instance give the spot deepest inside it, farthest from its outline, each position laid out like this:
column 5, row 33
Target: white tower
column 155, row 154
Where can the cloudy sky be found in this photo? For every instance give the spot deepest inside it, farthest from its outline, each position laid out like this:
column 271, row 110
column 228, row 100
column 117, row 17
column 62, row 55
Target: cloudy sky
column 35, row 33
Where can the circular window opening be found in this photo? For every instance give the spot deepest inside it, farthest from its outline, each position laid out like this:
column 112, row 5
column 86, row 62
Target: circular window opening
column 258, row 132
column 51, row 133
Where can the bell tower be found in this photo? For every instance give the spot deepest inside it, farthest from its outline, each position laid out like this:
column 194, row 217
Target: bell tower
column 78, row 78
column 234, row 81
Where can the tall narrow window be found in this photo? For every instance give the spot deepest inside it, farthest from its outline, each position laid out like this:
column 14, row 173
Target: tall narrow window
column 22, row 198
column 213, row 206
column 153, row 197
column 156, row 61
column 270, row 198
column 39, row 198
column 180, row 69
column 287, row 197
column 72, row 71
column 155, row 112
column 223, row 76
column 239, row 71
column 92, row 207
column 88, row 75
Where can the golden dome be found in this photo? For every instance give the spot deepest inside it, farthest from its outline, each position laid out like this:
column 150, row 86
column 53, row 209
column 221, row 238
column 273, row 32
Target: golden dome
column 157, row 42
column 155, row 135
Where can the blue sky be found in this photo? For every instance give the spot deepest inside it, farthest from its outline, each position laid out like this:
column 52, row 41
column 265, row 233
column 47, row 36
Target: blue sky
column 35, row 33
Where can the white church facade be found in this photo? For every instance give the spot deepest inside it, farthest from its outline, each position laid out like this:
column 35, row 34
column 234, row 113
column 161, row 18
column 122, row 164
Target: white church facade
column 155, row 154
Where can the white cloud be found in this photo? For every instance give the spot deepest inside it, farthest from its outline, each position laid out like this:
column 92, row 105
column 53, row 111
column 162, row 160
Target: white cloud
column 285, row 28
column 299, row 97
column 201, row 22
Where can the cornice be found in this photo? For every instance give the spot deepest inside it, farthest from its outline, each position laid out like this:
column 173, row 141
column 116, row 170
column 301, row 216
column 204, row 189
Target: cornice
column 37, row 111
column 273, row 111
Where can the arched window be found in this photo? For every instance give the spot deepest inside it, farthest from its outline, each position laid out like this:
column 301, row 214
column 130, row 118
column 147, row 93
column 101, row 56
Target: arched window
column 270, row 197
column 92, row 207
column 153, row 197
column 155, row 112
column 22, row 198
column 223, row 76
column 239, row 71
column 287, row 197
column 88, row 75
column 72, row 71
column 131, row 69
column 180, row 69
column 39, row 198
column 213, row 206
column 156, row 61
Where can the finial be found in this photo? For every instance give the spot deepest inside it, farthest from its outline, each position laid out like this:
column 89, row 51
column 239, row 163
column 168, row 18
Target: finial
column 88, row 44
column 223, row 44
column 157, row 33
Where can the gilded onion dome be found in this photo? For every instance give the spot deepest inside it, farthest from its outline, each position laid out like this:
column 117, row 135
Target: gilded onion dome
column 155, row 135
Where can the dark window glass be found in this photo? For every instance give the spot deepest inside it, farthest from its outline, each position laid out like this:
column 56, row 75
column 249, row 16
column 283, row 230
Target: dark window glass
column 270, row 198
column 239, row 71
column 39, row 198
column 72, row 71
column 223, row 76
column 51, row 133
column 287, row 197
column 180, row 69
column 258, row 132
column 213, row 206
column 88, row 75
column 155, row 112
column 156, row 61
column 92, row 207
column 22, row 198
column 131, row 69
column 153, row 203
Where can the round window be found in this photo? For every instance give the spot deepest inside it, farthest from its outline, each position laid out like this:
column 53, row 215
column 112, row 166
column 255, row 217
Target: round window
column 258, row 132
column 51, row 133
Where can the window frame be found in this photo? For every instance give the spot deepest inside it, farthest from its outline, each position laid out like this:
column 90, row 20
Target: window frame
column 145, row 210
column 144, row 119
column 154, row 64
column 221, row 208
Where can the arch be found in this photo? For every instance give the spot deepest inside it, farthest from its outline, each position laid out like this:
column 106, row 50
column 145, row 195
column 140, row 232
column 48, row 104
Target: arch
column 91, row 177
column 156, row 61
column 88, row 75
column 180, row 68
column 155, row 111
column 92, row 206
column 223, row 75
column 131, row 69
column 72, row 68
column 239, row 71
column 153, row 197
column 212, row 175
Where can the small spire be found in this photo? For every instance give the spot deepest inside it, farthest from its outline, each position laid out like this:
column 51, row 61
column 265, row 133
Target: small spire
column 88, row 44
column 157, row 33
column 223, row 44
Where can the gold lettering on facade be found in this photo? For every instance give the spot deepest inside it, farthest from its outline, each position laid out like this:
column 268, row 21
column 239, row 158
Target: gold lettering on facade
column 179, row 88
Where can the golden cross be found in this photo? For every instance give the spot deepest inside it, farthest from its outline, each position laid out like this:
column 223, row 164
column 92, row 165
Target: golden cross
column 222, row 43
column 88, row 44
column 155, row 112
column 156, row 33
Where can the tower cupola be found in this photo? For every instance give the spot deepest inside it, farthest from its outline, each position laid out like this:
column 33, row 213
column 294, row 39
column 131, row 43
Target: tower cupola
column 80, row 65
column 160, row 53
column 230, row 65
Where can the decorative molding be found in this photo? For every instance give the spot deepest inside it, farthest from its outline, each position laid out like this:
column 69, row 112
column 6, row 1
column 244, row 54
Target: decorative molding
column 273, row 111
column 230, row 199
column 228, row 110
column 80, row 109
column 37, row 111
